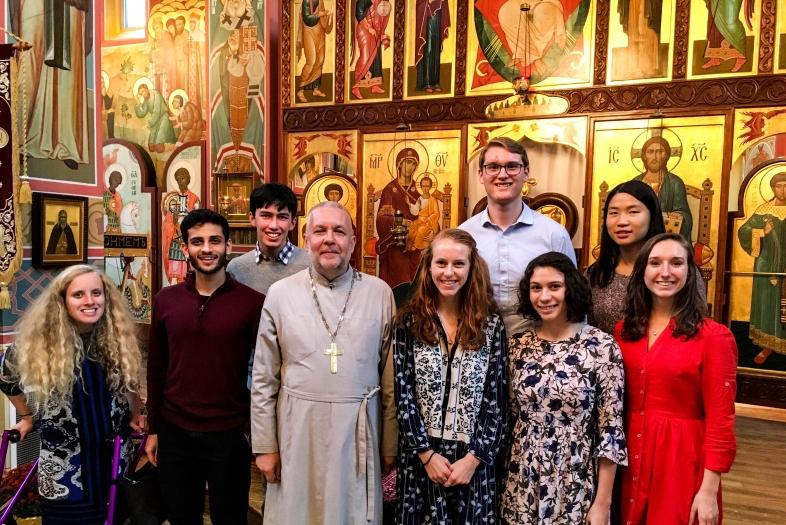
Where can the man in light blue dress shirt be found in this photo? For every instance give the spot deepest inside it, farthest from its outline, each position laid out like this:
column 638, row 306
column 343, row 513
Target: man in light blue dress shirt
column 510, row 234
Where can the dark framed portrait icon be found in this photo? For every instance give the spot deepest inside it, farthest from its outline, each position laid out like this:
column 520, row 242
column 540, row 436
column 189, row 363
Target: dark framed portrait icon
column 559, row 208
column 59, row 230
column 232, row 191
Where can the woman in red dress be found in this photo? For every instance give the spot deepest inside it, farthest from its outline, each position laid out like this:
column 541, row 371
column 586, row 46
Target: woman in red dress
column 679, row 395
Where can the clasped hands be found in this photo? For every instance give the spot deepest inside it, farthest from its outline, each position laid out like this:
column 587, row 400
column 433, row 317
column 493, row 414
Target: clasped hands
column 445, row 473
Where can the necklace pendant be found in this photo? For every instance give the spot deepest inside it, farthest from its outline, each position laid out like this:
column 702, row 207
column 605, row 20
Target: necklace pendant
column 333, row 352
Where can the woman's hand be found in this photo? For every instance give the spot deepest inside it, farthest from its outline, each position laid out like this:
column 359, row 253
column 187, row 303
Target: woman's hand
column 704, row 510
column 437, row 466
column 151, row 449
column 24, row 427
column 462, row 470
column 598, row 514
column 139, row 422
column 138, row 413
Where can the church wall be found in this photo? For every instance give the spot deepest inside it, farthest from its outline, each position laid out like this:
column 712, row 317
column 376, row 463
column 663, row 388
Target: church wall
column 595, row 80
column 152, row 102
column 61, row 132
column 294, row 93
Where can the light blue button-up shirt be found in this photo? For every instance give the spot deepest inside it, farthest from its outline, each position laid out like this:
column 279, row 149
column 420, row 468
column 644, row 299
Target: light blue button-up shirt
column 508, row 252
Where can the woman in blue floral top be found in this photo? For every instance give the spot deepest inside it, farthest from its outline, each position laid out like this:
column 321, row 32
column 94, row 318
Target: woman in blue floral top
column 450, row 355
column 566, row 391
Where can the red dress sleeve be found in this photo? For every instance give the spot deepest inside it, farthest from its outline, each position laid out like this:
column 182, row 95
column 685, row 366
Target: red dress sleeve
column 719, row 386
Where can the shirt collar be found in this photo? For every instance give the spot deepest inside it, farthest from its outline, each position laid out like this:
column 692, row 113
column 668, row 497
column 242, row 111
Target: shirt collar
column 527, row 217
column 342, row 279
column 283, row 256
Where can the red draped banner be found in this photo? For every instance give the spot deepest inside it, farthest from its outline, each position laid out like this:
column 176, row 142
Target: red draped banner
column 10, row 221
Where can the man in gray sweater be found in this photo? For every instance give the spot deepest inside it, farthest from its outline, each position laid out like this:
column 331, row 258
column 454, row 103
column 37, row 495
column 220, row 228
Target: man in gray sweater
column 273, row 214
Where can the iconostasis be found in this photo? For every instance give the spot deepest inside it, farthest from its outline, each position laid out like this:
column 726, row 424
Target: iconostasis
column 384, row 106
column 392, row 101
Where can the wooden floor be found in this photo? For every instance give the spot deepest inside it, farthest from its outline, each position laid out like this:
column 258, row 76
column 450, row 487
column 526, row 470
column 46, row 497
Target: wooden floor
column 754, row 492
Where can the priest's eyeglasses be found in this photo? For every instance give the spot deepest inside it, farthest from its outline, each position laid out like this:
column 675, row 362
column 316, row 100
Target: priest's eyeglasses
column 511, row 168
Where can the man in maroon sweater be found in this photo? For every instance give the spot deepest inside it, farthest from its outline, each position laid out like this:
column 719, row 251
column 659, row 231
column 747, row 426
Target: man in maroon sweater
column 202, row 336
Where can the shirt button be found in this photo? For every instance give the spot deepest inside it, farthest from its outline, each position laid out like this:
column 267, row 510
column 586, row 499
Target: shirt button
column 635, row 457
column 634, row 479
column 631, row 500
column 641, row 413
column 638, row 435
column 642, row 372
column 641, row 391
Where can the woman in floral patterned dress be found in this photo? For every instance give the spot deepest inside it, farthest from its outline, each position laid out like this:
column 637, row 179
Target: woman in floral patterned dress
column 566, row 389
column 450, row 355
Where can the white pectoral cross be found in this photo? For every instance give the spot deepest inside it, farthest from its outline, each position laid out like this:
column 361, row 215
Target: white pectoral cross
column 333, row 352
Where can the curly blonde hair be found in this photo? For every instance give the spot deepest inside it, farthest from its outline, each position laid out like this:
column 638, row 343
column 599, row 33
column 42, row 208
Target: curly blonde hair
column 48, row 351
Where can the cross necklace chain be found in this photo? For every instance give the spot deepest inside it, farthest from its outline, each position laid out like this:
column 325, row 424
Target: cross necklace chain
column 333, row 351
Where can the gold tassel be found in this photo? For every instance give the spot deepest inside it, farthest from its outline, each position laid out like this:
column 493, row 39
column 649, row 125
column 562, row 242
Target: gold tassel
column 5, row 297
column 25, row 193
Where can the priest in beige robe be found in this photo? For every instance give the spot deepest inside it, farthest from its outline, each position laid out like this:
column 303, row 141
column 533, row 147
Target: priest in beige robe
column 323, row 418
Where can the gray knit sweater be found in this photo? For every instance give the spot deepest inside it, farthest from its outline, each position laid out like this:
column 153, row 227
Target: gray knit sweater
column 260, row 276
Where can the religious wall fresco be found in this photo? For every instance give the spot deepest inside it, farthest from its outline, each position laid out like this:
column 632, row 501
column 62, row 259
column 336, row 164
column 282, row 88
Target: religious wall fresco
column 759, row 136
column 682, row 160
column 132, row 274
column 127, row 209
column 313, row 61
column 129, row 232
column 184, row 191
column 753, row 125
column 723, row 38
column 328, row 187
column 57, row 82
column 153, row 93
column 311, row 154
column 237, row 85
column 757, row 291
column 369, row 53
column 122, row 67
column 640, row 41
column 430, row 48
column 411, row 188
column 550, row 45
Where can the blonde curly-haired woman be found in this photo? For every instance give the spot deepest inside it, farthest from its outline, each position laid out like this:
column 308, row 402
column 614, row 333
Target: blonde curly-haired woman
column 74, row 369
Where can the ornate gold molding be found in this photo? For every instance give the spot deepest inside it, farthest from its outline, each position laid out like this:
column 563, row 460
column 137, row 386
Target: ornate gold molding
column 697, row 94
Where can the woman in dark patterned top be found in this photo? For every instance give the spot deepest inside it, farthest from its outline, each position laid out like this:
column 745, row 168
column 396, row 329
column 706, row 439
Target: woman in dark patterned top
column 566, row 389
column 74, row 367
column 631, row 216
column 450, row 356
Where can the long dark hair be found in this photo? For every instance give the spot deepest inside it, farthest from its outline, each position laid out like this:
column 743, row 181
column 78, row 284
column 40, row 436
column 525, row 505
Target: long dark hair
column 602, row 270
column 475, row 297
column 690, row 307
